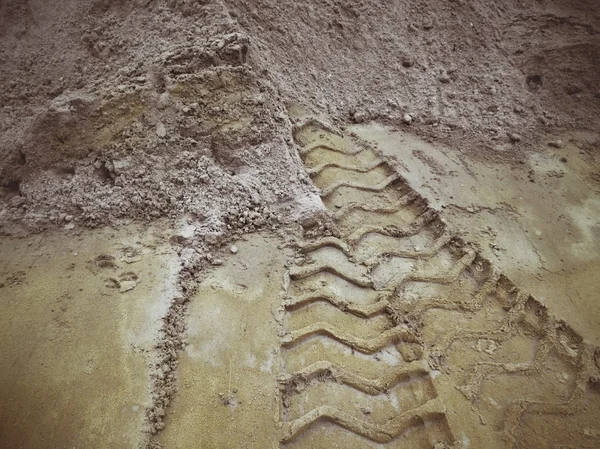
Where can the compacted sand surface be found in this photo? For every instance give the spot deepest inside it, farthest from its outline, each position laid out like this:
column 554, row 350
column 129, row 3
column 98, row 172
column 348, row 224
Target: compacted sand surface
column 282, row 224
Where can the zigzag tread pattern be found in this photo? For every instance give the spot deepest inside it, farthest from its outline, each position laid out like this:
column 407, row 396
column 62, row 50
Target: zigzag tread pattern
column 524, row 317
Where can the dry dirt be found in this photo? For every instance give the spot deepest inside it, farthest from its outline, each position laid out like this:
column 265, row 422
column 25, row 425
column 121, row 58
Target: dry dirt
column 278, row 224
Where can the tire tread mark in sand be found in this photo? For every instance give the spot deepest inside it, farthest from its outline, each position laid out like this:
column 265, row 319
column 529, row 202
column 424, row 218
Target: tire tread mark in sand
column 380, row 433
column 397, row 334
column 359, row 310
column 582, row 357
column 390, row 209
column 366, row 346
column 355, row 185
column 314, row 269
column 393, row 230
column 327, row 370
column 350, row 167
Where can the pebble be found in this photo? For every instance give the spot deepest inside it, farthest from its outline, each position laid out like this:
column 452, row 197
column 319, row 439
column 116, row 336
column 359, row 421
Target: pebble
column 444, row 78
column 407, row 118
column 120, row 166
column 408, row 61
column 234, row 249
column 127, row 286
column 514, row 137
column 163, row 100
column 359, row 116
column 556, row 144
column 161, row 131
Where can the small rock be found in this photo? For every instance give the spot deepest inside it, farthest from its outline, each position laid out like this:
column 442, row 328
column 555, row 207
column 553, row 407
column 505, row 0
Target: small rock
column 217, row 262
column 407, row 118
column 126, row 286
column 408, row 61
column 180, row 300
column 444, row 78
column 70, row 226
column 360, row 116
column 563, row 160
column 556, row 144
column 514, row 137
column 98, row 165
column 234, row 249
column 161, row 131
column 163, row 100
column 120, row 166
column 68, row 218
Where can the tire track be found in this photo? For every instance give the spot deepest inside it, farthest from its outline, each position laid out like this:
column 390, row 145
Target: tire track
column 408, row 332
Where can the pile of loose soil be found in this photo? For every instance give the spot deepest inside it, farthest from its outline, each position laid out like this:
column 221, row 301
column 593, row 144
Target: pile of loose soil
column 105, row 124
column 117, row 111
column 480, row 75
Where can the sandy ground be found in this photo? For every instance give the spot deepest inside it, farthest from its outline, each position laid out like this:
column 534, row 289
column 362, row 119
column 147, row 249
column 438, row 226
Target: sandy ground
column 269, row 223
column 75, row 349
column 505, row 371
column 229, row 368
column 538, row 222
column 268, row 351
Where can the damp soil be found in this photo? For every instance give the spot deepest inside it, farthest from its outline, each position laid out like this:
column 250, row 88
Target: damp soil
column 299, row 224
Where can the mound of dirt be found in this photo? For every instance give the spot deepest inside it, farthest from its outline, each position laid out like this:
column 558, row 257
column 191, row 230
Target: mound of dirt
column 457, row 68
column 171, row 121
column 134, row 110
